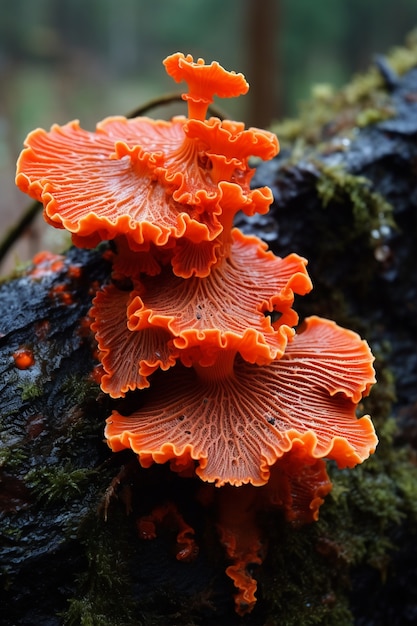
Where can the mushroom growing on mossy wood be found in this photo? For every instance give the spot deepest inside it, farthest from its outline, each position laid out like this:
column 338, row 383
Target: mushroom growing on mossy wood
column 237, row 418
column 202, row 314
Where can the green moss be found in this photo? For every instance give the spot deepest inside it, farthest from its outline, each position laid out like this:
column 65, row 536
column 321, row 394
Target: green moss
column 299, row 585
column 12, row 457
column 104, row 588
column 365, row 100
column 31, row 391
column 58, row 483
column 373, row 115
column 79, row 389
column 370, row 209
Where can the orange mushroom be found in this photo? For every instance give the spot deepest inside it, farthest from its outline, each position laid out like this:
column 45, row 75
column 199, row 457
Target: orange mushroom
column 23, row 358
column 237, row 425
column 203, row 315
column 167, row 317
column 150, row 181
column 204, row 81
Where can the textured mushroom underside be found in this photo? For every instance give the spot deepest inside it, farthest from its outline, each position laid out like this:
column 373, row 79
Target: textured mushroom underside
column 146, row 178
column 170, row 318
column 237, row 428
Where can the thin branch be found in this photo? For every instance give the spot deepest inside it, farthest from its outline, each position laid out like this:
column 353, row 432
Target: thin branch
column 170, row 98
column 19, row 228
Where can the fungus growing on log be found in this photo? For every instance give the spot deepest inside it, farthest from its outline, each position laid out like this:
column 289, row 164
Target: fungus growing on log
column 248, row 402
column 237, row 418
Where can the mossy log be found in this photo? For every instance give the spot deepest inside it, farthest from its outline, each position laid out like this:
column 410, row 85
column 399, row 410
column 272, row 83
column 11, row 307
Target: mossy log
column 345, row 190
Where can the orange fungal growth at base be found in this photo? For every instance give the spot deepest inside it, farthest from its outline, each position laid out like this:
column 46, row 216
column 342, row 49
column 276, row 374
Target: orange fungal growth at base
column 297, row 484
column 45, row 263
column 168, row 515
column 152, row 181
column 23, row 358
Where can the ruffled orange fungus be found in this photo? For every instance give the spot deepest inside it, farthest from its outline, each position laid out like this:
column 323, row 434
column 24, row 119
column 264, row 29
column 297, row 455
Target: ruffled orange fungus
column 203, row 315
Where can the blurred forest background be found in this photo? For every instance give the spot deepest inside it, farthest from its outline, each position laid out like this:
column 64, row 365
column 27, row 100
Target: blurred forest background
column 86, row 59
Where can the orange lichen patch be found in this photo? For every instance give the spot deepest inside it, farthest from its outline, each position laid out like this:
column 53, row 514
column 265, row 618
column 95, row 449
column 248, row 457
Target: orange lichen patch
column 45, row 263
column 297, row 484
column 204, row 82
column 167, row 516
column 74, row 272
column 24, row 358
column 62, row 293
column 227, row 308
column 238, row 426
column 127, row 358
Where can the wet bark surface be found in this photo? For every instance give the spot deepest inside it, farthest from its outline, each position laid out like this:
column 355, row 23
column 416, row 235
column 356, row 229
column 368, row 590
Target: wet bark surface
column 69, row 507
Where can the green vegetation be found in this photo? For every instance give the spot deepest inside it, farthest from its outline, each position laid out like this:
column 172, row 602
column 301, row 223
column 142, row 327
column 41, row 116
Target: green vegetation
column 61, row 484
column 369, row 209
column 306, row 578
column 103, row 597
column 365, row 100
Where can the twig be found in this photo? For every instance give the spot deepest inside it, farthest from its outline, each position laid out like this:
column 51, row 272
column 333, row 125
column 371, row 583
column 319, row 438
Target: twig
column 170, row 98
column 19, row 228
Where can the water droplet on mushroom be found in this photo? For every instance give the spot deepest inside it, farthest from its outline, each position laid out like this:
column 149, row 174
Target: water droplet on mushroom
column 382, row 253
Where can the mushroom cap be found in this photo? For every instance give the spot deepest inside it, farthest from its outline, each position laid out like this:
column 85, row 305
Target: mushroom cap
column 196, row 318
column 147, row 351
column 150, row 180
column 237, row 427
column 122, row 195
column 204, row 81
column 146, row 180
column 229, row 308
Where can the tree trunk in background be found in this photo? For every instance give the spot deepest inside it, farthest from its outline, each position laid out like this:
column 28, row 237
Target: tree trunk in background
column 262, row 61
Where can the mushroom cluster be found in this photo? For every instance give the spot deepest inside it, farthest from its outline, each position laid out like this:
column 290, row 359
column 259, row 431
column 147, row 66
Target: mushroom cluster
column 201, row 313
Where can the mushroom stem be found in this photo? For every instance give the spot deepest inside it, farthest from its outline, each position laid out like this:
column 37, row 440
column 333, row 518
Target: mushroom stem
column 197, row 107
column 220, row 370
